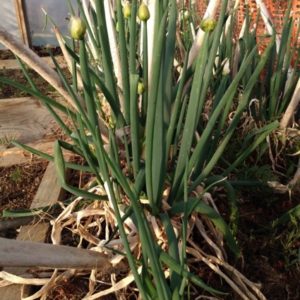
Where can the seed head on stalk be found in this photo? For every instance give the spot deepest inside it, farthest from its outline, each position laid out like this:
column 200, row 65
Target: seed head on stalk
column 208, row 25
column 77, row 28
column 140, row 88
column 143, row 12
column 127, row 10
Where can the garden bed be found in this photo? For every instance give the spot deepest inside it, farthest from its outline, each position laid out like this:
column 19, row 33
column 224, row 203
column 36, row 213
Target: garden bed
column 202, row 228
column 19, row 184
column 24, row 178
column 270, row 257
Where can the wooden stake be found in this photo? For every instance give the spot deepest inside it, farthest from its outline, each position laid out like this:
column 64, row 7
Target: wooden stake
column 22, row 22
column 15, row 253
column 32, row 59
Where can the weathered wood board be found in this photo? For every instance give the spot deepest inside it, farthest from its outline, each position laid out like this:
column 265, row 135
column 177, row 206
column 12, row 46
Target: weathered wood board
column 17, row 156
column 48, row 193
column 20, row 12
column 12, row 64
column 24, row 120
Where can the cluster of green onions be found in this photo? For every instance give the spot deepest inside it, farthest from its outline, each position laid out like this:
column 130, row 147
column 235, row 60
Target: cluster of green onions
column 177, row 115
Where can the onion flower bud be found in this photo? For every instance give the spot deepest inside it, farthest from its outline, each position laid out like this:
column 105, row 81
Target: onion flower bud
column 127, row 10
column 208, row 25
column 140, row 88
column 143, row 12
column 77, row 28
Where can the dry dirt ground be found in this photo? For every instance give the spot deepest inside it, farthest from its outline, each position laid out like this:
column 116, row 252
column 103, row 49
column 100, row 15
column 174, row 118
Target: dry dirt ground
column 19, row 184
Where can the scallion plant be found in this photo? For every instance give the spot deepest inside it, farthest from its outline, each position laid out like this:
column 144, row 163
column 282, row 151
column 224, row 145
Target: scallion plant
column 153, row 127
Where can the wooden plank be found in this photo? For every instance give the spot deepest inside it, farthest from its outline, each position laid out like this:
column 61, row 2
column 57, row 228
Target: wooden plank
column 16, row 156
column 20, row 253
column 49, row 192
column 22, row 22
column 27, row 121
column 12, row 64
column 24, row 120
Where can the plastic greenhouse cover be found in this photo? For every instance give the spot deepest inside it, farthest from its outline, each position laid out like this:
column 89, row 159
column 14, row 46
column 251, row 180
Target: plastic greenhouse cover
column 40, row 31
column 8, row 18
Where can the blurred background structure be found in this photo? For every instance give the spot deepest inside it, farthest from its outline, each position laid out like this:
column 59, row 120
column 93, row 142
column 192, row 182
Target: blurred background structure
column 276, row 9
